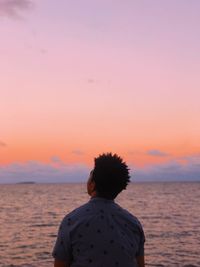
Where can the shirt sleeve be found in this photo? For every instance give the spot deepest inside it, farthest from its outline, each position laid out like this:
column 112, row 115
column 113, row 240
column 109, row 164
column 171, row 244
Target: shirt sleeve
column 140, row 251
column 62, row 247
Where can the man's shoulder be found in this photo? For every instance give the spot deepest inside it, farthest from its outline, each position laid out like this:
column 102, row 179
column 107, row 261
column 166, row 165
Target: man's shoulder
column 129, row 215
column 77, row 212
column 131, row 218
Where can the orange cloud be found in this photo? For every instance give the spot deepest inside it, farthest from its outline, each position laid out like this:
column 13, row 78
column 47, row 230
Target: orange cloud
column 2, row 144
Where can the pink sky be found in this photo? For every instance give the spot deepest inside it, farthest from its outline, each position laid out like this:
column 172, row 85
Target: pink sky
column 79, row 78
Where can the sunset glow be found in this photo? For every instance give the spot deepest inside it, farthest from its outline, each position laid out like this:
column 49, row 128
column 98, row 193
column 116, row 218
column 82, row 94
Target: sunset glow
column 79, row 79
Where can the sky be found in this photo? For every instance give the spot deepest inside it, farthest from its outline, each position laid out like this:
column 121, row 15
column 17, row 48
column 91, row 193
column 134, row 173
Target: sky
column 79, row 78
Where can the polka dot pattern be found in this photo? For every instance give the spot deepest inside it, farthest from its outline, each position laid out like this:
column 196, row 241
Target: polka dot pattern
column 99, row 233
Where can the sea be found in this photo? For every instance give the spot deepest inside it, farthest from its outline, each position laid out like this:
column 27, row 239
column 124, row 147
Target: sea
column 30, row 215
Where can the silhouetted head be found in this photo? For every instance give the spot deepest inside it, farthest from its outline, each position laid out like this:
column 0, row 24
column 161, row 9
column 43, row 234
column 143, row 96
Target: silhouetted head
column 109, row 177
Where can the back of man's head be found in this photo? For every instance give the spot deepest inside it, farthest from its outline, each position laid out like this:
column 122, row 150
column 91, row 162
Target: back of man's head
column 110, row 174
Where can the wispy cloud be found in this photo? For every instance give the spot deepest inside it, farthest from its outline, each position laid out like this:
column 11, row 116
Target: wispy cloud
column 55, row 159
column 78, row 152
column 2, row 144
column 91, row 80
column 12, row 8
column 42, row 172
column 170, row 171
column 156, row 153
column 61, row 173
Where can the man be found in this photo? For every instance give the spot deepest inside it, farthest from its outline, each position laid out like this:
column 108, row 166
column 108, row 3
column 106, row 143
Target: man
column 100, row 233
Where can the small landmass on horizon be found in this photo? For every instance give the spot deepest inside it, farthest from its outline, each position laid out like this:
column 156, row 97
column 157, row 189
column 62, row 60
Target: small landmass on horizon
column 27, row 182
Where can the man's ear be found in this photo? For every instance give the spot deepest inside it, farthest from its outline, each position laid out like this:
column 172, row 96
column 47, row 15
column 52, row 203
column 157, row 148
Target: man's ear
column 92, row 188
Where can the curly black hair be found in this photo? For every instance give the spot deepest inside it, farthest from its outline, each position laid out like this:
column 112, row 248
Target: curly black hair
column 110, row 174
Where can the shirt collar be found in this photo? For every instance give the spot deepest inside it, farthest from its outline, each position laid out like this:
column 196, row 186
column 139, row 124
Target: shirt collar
column 101, row 199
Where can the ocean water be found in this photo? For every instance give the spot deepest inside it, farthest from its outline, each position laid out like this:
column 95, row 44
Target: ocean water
column 169, row 212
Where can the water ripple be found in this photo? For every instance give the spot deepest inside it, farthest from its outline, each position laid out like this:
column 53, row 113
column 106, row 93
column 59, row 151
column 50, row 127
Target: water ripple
column 169, row 212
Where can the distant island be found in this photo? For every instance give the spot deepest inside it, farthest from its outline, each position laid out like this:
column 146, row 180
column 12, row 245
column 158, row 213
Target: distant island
column 27, row 182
